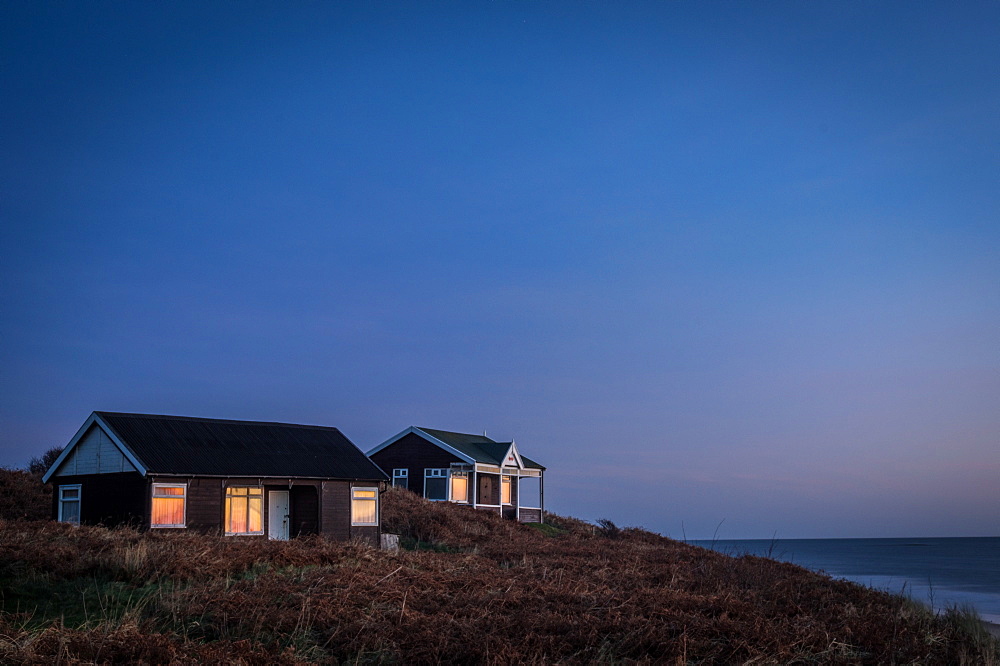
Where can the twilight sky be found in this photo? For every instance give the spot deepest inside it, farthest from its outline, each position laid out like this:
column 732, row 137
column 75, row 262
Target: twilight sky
column 706, row 261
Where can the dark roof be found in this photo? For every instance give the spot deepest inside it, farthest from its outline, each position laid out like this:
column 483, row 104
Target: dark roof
column 478, row 447
column 216, row 447
column 529, row 463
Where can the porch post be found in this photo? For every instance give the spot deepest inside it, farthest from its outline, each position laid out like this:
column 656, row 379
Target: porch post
column 517, row 502
column 475, row 487
column 541, row 496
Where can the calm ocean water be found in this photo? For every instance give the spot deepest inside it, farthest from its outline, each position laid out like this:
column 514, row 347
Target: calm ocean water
column 938, row 572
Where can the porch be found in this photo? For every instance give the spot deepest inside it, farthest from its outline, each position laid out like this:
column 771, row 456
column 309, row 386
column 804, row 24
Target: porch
column 516, row 494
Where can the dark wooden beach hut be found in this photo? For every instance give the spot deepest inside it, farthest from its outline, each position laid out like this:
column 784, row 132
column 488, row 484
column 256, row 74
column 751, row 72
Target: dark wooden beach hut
column 466, row 469
column 238, row 478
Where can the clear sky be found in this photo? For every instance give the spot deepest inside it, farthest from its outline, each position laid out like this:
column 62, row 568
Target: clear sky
column 706, row 261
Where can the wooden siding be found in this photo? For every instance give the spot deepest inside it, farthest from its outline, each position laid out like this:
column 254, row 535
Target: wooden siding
column 95, row 453
column 206, row 501
column 531, row 516
column 414, row 453
column 335, row 513
column 335, row 510
column 106, row 499
column 316, row 506
column 305, row 510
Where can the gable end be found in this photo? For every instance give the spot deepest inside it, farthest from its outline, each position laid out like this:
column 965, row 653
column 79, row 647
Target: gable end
column 420, row 433
column 95, row 449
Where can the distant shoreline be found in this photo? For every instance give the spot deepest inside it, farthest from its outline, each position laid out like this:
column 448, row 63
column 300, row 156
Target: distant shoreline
column 943, row 572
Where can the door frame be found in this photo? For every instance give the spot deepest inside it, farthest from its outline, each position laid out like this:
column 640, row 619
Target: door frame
column 271, row 497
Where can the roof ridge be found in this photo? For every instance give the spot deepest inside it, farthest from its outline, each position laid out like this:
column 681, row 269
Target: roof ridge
column 454, row 432
column 206, row 419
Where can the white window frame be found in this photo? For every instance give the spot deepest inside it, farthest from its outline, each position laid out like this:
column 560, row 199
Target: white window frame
column 355, row 523
column 401, row 473
column 451, row 477
column 505, row 480
column 152, row 496
column 263, row 520
column 437, row 473
column 78, row 499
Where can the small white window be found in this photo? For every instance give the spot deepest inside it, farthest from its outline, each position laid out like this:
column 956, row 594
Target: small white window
column 169, row 505
column 69, row 503
column 399, row 478
column 459, row 487
column 364, row 506
column 436, row 484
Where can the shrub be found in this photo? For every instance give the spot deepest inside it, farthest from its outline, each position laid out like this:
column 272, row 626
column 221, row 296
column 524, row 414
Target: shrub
column 23, row 497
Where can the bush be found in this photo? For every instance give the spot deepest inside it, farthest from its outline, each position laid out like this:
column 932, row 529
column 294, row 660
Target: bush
column 38, row 466
column 23, row 497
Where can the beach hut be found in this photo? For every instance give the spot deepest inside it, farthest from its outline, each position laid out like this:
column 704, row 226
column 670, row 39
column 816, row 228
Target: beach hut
column 474, row 470
column 237, row 478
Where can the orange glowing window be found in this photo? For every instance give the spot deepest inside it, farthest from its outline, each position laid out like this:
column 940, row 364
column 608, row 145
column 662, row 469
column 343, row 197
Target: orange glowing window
column 168, row 506
column 244, row 510
column 364, row 506
column 459, row 487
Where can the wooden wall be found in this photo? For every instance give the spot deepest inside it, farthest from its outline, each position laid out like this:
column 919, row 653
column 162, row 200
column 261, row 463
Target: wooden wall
column 414, row 453
column 106, row 499
column 316, row 507
column 305, row 510
column 531, row 515
column 95, row 453
column 206, row 501
column 335, row 513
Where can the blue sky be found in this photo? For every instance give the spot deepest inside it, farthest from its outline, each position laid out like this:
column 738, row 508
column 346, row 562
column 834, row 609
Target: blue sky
column 706, row 261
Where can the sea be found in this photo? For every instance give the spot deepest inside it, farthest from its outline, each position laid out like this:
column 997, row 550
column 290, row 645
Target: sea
column 941, row 573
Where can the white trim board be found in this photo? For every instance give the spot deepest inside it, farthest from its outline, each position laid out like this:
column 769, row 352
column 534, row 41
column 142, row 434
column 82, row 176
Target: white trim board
column 512, row 452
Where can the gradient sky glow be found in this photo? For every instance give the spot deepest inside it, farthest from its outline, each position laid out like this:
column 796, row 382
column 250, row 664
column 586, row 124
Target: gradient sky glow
column 706, row 261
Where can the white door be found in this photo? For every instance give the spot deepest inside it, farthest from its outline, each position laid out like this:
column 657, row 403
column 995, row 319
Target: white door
column 277, row 511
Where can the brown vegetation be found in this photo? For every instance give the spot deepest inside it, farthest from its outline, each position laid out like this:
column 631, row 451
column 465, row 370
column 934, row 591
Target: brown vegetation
column 22, row 496
column 475, row 589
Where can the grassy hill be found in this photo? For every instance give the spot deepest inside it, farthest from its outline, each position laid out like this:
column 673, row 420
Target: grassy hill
column 470, row 588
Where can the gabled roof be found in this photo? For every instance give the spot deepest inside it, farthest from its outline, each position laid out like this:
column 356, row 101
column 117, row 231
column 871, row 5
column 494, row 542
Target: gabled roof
column 216, row 447
column 472, row 448
column 478, row 447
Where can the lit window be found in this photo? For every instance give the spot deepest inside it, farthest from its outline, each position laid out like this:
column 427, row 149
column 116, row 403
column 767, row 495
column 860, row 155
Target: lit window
column 69, row 504
column 364, row 506
column 167, row 508
column 436, row 484
column 244, row 510
column 399, row 478
column 459, row 487
column 505, row 490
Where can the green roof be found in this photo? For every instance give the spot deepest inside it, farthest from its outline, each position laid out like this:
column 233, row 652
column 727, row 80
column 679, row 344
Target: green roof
column 480, row 448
